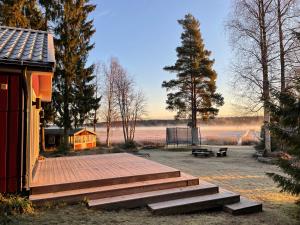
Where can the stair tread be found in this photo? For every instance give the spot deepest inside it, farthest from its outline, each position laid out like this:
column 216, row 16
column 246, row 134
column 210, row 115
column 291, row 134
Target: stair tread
column 183, row 177
column 171, row 173
column 187, row 201
column 202, row 186
column 243, row 204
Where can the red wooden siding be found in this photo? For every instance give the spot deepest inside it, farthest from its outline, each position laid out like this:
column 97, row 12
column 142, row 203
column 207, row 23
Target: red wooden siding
column 14, row 150
column 10, row 130
column 3, row 131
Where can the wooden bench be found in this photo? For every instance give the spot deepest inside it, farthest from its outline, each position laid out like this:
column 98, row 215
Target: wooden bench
column 222, row 152
column 203, row 152
column 146, row 155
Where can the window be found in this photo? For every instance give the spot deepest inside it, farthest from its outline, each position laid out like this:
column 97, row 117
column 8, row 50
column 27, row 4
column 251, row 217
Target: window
column 78, row 139
column 51, row 140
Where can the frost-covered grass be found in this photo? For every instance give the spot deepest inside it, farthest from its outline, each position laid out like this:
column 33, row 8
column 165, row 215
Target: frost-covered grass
column 239, row 172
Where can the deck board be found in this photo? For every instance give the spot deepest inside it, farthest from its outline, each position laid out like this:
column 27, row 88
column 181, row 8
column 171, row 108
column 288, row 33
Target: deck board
column 64, row 170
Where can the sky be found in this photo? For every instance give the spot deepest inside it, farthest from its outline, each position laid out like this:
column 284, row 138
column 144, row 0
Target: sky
column 143, row 35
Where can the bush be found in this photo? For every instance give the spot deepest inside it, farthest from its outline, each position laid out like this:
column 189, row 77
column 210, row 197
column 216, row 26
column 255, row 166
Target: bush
column 249, row 142
column 14, row 204
column 63, row 149
column 130, row 145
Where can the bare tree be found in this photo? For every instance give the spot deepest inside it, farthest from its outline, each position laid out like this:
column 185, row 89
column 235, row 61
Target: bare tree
column 97, row 73
column 253, row 30
column 131, row 104
column 286, row 12
column 137, row 111
column 110, row 74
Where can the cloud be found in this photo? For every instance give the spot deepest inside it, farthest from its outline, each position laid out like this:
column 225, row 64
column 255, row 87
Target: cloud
column 102, row 13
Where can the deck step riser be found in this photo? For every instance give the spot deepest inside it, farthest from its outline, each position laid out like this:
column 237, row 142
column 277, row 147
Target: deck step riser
column 118, row 192
column 101, row 182
column 144, row 201
column 197, row 206
column 245, row 206
column 248, row 210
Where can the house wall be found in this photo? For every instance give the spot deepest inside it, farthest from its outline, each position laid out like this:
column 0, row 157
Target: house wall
column 12, row 125
column 33, row 126
column 10, row 131
column 35, row 134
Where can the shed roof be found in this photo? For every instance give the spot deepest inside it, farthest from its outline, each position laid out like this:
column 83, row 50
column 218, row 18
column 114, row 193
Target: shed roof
column 58, row 131
column 26, row 47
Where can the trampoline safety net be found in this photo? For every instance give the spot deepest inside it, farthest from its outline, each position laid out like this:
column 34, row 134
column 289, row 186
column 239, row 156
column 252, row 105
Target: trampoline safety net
column 182, row 135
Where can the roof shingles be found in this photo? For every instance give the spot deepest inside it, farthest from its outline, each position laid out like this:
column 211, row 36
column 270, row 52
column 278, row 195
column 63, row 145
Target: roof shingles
column 25, row 45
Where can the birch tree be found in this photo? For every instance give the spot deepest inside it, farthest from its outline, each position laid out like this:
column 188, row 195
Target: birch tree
column 286, row 12
column 252, row 32
column 109, row 111
column 131, row 104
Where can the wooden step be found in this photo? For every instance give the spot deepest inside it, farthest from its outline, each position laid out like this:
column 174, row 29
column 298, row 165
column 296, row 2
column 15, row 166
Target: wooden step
column 142, row 199
column 245, row 206
column 73, row 196
column 193, row 204
column 40, row 189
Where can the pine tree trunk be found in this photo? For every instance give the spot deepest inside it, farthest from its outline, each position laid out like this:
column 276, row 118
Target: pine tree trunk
column 95, row 120
column 66, row 112
column 194, row 114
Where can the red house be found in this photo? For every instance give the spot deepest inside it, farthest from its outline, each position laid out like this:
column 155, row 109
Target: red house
column 27, row 63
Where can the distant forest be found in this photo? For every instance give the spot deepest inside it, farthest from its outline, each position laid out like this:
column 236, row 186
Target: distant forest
column 217, row 121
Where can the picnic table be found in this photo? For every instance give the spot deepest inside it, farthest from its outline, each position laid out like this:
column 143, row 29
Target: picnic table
column 222, row 152
column 202, row 152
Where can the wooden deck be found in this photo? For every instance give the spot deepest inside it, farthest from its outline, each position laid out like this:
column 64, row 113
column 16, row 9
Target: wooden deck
column 113, row 181
column 96, row 170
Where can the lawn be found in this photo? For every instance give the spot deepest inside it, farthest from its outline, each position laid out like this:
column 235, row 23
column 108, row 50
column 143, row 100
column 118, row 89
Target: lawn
column 239, row 172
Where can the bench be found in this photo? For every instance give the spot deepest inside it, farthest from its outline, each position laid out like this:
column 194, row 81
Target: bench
column 146, row 155
column 202, row 152
column 222, row 152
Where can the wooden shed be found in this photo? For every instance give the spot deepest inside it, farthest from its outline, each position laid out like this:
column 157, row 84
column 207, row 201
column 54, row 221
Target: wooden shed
column 79, row 138
column 27, row 64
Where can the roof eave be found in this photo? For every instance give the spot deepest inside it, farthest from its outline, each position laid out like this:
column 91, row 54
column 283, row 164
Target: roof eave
column 36, row 66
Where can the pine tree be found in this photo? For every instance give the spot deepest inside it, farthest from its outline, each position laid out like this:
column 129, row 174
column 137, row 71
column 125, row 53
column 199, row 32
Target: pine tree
column 12, row 13
column 22, row 13
column 286, row 128
column 73, row 95
column 86, row 102
column 194, row 89
column 67, row 35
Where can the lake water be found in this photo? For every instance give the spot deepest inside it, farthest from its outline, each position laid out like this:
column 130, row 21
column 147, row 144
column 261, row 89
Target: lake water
column 157, row 134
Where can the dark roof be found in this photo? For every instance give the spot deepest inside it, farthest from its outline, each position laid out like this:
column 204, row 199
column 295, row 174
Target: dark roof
column 58, row 131
column 26, row 47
